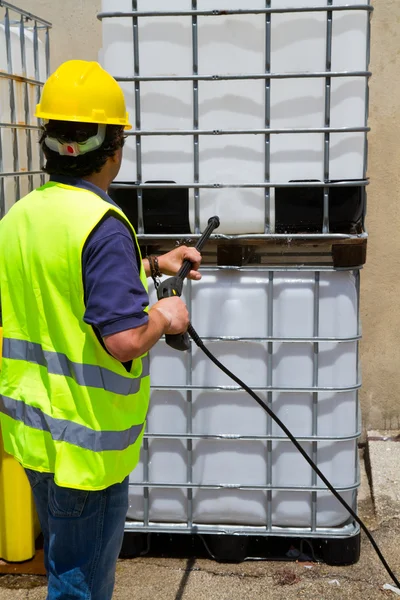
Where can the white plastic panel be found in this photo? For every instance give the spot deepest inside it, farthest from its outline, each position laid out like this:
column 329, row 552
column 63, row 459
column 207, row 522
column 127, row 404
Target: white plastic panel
column 236, row 45
column 234, row 303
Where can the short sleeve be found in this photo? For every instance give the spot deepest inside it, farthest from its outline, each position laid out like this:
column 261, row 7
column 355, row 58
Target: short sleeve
column 115, row 297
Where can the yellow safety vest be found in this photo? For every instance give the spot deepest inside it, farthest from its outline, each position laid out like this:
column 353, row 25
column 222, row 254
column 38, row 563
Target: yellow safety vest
column 66, row 406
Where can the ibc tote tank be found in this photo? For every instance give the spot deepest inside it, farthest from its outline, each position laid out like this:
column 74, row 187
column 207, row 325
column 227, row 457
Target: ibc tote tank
column 229, row 429
column 297, row 44
column 212, row 461
column 20, row 147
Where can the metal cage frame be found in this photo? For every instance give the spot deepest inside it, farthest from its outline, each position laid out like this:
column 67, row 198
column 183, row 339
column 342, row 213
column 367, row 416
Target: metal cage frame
column 24, row 19
column 267, row 132
column 350, row 528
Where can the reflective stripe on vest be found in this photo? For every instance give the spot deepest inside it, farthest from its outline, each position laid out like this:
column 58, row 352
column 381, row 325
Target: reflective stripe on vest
column 87, row 375
column 62, row 430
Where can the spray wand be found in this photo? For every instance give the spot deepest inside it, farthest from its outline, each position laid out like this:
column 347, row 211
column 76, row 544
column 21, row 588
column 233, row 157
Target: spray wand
column 173, row 287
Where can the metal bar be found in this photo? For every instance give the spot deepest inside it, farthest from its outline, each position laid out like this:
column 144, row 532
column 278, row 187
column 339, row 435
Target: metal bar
column 26, row 104
column 138, row 186
column 19, row 173
column 267, row 131
column 27, row 14
column 196, row 150
column 279, row 339
column 47, row 56
column 258, row 236
column 357, row 477
column 314, row 426
column 228, row 12
column 19, row 126
column 365, row 165
column 37, row 76
column 250, row 438
column 135, row 33
column 189, row 422
column 47, row 51
column 230, row 486
column 269, row 226
column 20, row 78
column 135, row 26
column 272, row 252
column 357, row 415
column 346, row 531
column 283, row 184
column 368, row 58
column 270, row 350
column 22, row 45
column 358, row 292
column 216, row 388
column 246, row 76
column 262, row 237
column 13, row 112
column 146, row 491
column 285, row 268
column 327, row 116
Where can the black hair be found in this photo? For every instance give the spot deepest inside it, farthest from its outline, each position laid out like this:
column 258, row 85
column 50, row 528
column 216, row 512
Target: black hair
column 85, row 164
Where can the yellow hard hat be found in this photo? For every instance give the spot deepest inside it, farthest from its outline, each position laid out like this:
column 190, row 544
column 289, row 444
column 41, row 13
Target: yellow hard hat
column 83, row 92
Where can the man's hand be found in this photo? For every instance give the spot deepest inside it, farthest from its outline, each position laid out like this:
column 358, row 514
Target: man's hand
column 171, row 262
column 175, row 313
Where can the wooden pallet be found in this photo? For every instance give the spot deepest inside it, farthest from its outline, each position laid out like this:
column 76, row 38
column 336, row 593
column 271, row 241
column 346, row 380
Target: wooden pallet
column 285, row 252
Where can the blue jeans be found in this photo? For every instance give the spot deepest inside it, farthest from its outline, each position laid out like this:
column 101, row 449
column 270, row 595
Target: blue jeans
column 83, row 533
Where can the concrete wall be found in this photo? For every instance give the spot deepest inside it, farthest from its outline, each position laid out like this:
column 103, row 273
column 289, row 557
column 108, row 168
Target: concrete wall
column 77, row 34
column 76, row 31
column 381, row 282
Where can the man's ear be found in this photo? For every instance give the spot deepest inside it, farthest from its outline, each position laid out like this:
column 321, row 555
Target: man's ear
column 117, row 156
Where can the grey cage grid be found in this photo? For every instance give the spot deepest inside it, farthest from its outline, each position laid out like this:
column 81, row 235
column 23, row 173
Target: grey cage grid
column 143, row 484
column 27, row 73
column 24, row 66
column 146, row 485
column 268, row 76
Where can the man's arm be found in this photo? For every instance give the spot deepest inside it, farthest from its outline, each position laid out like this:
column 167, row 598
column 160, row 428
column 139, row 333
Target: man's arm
column 168, row 316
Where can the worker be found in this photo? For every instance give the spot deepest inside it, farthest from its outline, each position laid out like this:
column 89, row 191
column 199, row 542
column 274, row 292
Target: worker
column 74, row 385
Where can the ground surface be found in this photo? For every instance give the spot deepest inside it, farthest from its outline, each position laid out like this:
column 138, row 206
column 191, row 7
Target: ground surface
column 200, row 579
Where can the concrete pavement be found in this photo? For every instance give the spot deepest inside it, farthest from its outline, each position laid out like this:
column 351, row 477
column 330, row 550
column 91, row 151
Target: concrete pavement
column 183, row 579
column 384, row 466
column 168, row 579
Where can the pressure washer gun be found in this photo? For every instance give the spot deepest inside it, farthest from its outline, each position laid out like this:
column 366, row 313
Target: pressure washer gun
column 173, row 286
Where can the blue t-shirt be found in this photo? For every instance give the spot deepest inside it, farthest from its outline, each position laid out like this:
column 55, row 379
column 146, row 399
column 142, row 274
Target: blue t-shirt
column 115, row 297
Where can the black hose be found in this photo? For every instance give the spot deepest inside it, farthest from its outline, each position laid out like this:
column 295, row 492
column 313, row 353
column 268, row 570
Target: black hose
column 199, row 342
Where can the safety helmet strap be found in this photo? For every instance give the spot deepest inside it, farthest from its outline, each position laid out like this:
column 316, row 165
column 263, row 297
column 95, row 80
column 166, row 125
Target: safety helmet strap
column 77, row 148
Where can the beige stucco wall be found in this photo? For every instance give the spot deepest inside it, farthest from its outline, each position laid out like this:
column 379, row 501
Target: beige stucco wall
column 381, row 278
column 77, row 34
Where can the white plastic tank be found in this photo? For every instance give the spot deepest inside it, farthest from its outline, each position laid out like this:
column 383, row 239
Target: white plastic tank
column 22, row 93
column 234, row 303
column 235, row 44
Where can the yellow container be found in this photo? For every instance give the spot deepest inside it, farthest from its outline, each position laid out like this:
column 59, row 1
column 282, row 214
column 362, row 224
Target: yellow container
column 19, row 525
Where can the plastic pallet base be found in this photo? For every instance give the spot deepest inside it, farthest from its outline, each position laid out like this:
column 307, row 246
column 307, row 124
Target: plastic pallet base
column 238, row 548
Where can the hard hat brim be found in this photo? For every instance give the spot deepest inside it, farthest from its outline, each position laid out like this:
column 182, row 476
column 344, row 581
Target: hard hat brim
column 59, row 117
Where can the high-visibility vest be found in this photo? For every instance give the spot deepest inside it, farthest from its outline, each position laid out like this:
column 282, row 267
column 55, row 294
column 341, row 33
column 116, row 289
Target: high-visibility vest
column 66, row 405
